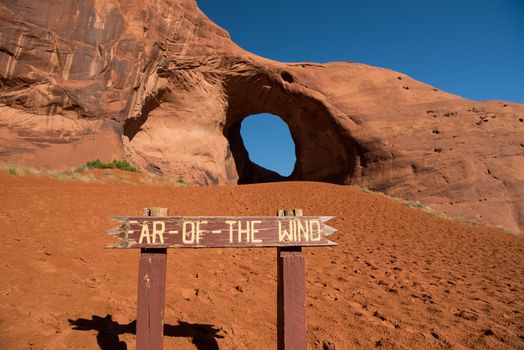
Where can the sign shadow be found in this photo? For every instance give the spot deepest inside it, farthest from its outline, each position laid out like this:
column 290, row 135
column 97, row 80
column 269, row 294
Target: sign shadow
column 202, row 335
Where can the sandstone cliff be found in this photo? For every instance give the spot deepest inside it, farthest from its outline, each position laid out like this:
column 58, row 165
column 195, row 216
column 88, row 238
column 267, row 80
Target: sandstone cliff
column 161, row 85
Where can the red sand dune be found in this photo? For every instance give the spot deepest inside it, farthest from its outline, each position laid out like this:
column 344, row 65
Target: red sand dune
column 399, row 278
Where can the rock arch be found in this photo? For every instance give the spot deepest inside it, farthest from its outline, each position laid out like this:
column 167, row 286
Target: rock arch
column 323, row 152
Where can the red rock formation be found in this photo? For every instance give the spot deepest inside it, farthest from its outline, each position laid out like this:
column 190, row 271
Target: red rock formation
column 162, row 85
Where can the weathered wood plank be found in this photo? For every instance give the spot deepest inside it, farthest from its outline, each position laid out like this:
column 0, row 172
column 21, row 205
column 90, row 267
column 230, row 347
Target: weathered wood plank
column 223, row 231
column 291, row 295
column 151, row 294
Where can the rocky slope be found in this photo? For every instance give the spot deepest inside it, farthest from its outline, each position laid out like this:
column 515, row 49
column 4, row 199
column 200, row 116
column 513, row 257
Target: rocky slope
column 163, row 86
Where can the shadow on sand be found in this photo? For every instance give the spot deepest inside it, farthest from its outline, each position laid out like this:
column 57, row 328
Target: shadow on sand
column 202, row 335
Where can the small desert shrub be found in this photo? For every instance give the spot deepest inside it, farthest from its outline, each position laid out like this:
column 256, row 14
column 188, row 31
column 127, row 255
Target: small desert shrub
column 412, row 204
column 508, row 230
column 364, row 188
column 64, row 175
column 433, row 212
column 115, row 164
column 420, row 206
column 181, row 182
column 61, row 175
column 109, row 176
column 161, row 180
column 18, row 171
column 87, row 178
column 123, row 165
column 12, row 170
column 32, row 171
column 473, row 222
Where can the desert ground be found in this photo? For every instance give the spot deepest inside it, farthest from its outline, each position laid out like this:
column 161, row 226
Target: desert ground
column 399, row 278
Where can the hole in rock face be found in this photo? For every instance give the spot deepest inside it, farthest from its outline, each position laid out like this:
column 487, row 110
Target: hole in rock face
column 287, row 77
column 269, row 143
column 324, row 150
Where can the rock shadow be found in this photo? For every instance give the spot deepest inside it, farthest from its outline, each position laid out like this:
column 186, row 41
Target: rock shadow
column 202, row 335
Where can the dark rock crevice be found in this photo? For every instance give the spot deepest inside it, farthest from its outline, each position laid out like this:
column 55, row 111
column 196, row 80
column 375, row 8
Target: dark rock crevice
column 133, row 125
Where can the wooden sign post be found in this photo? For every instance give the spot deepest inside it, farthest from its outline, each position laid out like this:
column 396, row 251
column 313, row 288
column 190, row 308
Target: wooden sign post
column 151, row 293
column 291, row 295
column 154, row 232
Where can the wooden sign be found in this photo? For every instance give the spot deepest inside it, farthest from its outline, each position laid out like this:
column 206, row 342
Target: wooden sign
column 221, row 231
column 156, row 231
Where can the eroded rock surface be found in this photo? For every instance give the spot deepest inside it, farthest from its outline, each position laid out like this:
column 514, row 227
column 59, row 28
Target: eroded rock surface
column 161, row 85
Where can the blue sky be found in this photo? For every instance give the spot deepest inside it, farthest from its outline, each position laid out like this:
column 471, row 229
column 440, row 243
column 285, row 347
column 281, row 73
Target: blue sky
column 472, row 48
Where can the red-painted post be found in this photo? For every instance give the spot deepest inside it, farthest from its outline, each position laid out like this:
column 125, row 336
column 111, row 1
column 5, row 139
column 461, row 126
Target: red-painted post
column 151, row 293
column 291, row 295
